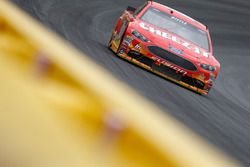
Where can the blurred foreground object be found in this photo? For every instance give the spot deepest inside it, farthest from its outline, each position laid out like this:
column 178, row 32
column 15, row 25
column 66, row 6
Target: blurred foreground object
column 57, row 108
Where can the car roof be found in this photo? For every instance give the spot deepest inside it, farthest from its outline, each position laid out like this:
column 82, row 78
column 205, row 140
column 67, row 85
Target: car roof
column 179, row 15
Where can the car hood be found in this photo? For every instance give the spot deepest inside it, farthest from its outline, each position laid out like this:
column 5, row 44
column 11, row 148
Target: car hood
column 173, row 43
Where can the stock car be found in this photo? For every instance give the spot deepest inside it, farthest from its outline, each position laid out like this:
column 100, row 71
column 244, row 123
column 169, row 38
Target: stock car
column 168, row 43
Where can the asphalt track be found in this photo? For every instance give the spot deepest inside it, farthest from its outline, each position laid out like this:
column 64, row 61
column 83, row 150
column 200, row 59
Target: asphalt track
column 223, row 117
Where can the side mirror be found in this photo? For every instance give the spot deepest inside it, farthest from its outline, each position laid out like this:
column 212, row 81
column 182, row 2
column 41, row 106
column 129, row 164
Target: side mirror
column 131, row 9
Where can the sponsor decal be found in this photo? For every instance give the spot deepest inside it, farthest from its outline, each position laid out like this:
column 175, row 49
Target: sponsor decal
column 128, row 40
column 202, row 76
column 175, row 50
column 212, row 77
column 138, row 47
column 178, row 70
column 179, row 20
column 174, row 39
column 169, row 65
column 121, row 51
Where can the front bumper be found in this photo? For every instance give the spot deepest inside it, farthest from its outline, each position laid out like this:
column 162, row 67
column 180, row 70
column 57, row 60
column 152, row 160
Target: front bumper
column 134, row 52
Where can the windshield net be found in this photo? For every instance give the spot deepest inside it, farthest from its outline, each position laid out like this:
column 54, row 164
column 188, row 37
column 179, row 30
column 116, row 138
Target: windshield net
column 177, row 26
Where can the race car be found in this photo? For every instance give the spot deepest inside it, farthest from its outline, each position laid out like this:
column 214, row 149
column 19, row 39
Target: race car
column 168, row 43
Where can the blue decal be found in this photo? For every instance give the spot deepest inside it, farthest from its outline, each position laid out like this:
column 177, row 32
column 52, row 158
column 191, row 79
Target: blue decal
column 175, row 50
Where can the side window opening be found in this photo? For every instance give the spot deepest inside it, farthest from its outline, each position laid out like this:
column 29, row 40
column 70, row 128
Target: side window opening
column 138, row 10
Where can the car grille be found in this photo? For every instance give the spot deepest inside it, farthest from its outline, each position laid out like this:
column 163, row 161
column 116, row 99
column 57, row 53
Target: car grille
column 179, row 77
column 166, row 70
column 141, row 58
column 172, row 58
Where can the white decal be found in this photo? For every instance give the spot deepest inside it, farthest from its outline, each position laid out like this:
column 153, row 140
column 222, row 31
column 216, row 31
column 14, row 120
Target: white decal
column 205, row 54
column 197, row 50
column 179, row 20
column 175, row 39
column 187, row 45
column 166, row 35
column 138, row 47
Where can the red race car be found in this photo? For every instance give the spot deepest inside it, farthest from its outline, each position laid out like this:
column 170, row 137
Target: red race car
column 168, row 43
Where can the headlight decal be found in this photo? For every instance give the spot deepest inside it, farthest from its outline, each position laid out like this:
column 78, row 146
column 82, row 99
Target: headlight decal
column 140, row 36
column 208, row 67
column 128, row 40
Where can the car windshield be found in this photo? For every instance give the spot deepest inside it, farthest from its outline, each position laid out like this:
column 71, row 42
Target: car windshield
column 177, row 26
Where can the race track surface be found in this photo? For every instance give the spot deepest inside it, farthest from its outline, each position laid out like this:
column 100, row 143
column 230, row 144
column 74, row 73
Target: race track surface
column 223, row 117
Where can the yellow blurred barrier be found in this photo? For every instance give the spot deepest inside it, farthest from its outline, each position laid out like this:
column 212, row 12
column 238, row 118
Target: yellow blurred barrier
column 58, row 108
